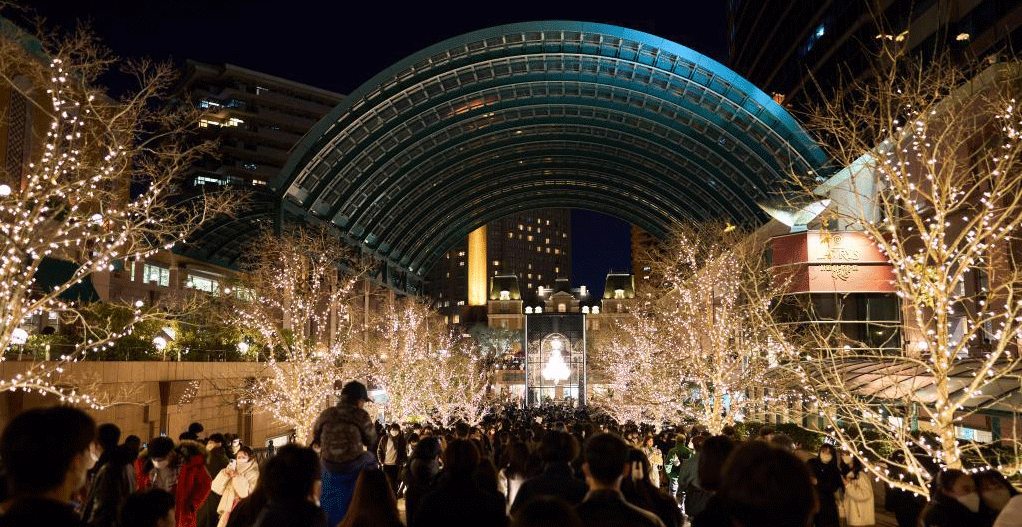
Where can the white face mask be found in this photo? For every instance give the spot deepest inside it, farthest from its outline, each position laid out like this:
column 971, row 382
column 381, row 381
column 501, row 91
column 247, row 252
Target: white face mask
column 970, row 500
column 997, row 498
column 244, row 463
column 826, row 458
column 161, row 464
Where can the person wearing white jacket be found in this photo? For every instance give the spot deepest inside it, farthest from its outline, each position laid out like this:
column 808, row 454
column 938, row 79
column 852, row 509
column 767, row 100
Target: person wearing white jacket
column 858, row 496
column 235, row 482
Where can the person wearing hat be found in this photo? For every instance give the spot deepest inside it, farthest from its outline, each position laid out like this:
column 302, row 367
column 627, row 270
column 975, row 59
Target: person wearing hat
column 345, row 436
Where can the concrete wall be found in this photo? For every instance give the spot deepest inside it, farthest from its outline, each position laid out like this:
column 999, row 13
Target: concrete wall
column 159, row 396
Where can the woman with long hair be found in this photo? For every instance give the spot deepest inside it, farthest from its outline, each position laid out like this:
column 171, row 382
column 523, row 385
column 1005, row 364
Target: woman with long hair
column 373, row 504
column 827, row 478
column 858, row 498
column 513, row 474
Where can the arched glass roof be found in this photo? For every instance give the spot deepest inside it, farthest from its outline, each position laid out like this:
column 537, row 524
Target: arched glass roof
column 523, row 116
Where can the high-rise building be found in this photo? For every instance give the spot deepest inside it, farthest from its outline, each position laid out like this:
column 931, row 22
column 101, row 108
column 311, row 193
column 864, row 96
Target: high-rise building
column 788, row 47
column 534, row 245
column 642, row 243
column 256, row 117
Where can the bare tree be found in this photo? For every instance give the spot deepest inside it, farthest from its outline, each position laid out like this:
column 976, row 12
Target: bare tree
column 298, row 294
column 102, row 187
column 424, row 369
column 932, row 178
column 695, row 346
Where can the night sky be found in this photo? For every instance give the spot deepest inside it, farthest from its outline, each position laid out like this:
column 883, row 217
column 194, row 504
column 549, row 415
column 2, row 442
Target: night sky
column 340, row 45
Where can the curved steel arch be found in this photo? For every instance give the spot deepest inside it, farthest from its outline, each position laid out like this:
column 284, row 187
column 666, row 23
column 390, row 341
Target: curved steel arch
column 427, row 149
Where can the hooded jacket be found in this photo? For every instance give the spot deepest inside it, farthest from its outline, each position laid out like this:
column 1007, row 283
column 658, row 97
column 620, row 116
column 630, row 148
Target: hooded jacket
column 193, row 482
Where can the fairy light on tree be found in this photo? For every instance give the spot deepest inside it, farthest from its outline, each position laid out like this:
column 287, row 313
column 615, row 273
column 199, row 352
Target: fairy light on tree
column 426, row 371
column 75, row 199
column 935, row 183
column 695, row 346
column 299, row 290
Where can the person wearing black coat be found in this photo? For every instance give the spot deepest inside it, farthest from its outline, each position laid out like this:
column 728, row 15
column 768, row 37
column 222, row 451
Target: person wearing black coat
column 827, row 479
column 113, row 483
column 557, row 450
column 420, row 474
column 638, row 489
column 955, row 502
column 289, row 482
column 457, row 500
column 392, row 453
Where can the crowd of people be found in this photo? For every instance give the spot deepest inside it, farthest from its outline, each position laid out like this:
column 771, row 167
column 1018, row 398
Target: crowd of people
column 547, row 466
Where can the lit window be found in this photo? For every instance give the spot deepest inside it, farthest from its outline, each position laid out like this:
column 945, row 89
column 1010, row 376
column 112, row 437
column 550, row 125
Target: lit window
column 548, row 222
column 457, row 319
column 131, row 269
column 529, row 275
column 619, row 293
column 530, row 266
column 511, row 235
column 539, row 249
column 529, row 228
column 461, row 253
column 530, row 285
column 539, row 221
column 244, row 293
column 461, row 264
column 496, row 262
column 539, row 277
column 505, row 295
column 547, row 250
column 538, row 230
column 520, row 226
column 557, row 251
column 155, row 273
column 461, row 302
column 564, row 235
column 201, row 283
column 562, row 308
column 529, row 237
column 557, row 269
column 585, row 309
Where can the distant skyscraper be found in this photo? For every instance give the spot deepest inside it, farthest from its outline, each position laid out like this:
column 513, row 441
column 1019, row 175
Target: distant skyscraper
column 256, row 117
column 786, row 47
column 535, row 246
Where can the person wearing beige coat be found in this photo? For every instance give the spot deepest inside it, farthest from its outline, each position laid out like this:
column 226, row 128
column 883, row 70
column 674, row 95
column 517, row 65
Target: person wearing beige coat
column 858, row 496
column 235, row 482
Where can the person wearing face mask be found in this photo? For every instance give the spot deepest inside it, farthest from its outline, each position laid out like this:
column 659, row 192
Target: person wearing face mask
column 954, row 502
column 180, row 470
column 827, row 479
column 235, row 482
column 46, row 456
column 393, row 453
column 113, row 479
column 858, row 496
column 996, row 493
